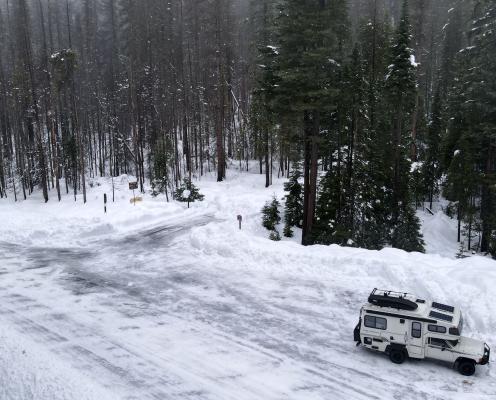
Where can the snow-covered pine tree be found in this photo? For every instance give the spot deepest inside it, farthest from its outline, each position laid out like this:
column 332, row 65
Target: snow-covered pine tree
column 461, row 251
column 310, row 36
column 329, row 226
column 262, row 118
column 271, row 216
column 293, row 206
column 160, row 172
column 374, row 192
column 470, row 145
column 340, row 193
column 188, row 192
column 431, row 169
column 400, row 89
column 275, row 236
column 481, row 111
column 407, row 235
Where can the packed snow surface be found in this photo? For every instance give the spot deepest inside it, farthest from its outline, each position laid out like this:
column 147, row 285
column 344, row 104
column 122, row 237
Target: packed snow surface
column 157, row 301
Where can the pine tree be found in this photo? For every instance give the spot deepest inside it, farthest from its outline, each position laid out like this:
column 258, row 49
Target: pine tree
column 406, row 236
column 470, row 145
column 339, row 203
column 309, row 61
column 270, row 214
column 188, row 192
column 160, row 174
column 275, row 236
column 373, row 151
column 431, row 171
column 262, row 118
column 329, row 226
column 293, row 208
column 461, row 251
column 482, row 110
column 400, row 89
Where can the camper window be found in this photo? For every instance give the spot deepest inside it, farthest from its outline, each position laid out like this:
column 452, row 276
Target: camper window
column 436, row 328
column 375, row 322
column 416, row 329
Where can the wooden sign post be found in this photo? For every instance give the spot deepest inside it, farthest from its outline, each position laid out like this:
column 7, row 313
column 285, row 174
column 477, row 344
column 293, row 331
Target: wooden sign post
column 133, row 186
column 240, row 219
column 105, row 202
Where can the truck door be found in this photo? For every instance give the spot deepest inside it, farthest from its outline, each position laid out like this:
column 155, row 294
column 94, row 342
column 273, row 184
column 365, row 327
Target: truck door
column 415, row 343
column 439, row 349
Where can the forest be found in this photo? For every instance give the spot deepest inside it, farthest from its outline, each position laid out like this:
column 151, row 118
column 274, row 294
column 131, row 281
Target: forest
column 370, row 108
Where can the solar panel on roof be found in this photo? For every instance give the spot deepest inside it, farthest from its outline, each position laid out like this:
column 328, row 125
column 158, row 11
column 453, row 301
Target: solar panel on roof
column 443, row 307
column 441, row 316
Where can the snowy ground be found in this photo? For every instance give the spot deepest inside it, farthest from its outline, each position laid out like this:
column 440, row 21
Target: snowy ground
column 156, row 301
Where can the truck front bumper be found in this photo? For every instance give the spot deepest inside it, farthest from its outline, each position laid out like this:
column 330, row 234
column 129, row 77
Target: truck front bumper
column 356, row 333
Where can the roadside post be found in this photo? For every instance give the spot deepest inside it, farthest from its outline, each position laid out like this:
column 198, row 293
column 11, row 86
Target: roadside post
column 105, row 202
column 240, row 219
column 133, row 186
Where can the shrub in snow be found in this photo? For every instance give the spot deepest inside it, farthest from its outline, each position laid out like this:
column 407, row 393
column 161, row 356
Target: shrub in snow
column 288, row 232
column 270, row 214
column 275, row 236
column 461, row 251
column 188, row 193
column 293, row 208
column 406, row 234
column 271, row 217
column 160, row 171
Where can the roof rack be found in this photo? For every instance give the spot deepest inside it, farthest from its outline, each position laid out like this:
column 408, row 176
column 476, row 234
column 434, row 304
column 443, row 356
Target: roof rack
column 389, row 298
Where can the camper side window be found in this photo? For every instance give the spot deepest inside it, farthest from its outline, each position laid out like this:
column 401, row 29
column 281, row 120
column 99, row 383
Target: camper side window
column 416, row 329
column 436, row 328
column 375, row 322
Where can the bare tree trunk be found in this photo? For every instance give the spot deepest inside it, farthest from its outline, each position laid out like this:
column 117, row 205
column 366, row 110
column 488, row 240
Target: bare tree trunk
column 311, row 127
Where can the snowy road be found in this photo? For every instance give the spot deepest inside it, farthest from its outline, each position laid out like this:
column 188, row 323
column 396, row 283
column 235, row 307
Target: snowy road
column 148, row 316
column 169, row 303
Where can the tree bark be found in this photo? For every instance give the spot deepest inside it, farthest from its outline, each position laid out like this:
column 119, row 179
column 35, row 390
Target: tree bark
column 311, row 130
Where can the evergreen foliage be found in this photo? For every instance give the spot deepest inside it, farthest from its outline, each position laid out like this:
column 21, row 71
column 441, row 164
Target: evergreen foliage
column 311, row 37
column 407, row 235
column 293, row 206
column 431, row 168
column 330, row 227
column 160, row 176
column 270, row 214
column 188, row 192
column 275, row 236
column 400, row 90
column 470, row 145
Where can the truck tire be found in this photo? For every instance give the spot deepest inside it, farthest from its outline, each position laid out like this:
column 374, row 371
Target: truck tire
column 397, row 356
column 466, row 367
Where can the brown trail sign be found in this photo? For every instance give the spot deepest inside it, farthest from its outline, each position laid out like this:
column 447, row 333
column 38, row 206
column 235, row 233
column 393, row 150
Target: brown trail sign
column 133, row 186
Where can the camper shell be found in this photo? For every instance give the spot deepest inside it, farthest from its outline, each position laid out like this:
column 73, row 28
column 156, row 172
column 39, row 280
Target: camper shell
column 403, row 325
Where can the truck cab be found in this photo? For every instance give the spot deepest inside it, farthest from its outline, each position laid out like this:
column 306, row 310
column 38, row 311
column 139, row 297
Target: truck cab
column 403, row 325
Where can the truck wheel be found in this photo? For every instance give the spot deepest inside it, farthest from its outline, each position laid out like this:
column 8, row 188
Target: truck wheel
column 397, row 356
column 466, row 367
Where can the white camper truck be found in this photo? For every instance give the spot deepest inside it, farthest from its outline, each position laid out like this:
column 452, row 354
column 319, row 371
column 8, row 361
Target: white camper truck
column 402, row 325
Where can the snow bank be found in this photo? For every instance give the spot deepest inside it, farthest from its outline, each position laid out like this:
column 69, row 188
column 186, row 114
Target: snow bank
column 29, row 372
